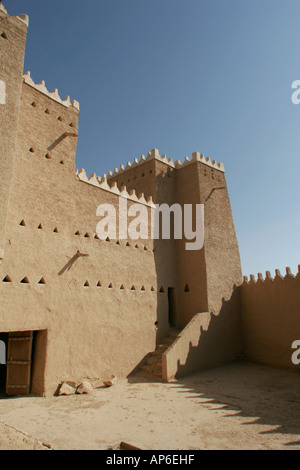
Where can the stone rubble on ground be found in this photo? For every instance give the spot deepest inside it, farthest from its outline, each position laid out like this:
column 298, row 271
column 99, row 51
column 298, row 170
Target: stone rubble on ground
column 66, row 389
column 70, row 388
column 111, row 382
column 84, row 387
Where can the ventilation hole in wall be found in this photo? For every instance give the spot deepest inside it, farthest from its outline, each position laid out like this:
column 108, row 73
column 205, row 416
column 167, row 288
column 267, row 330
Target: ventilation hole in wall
column 71, row 124
column 153, row 250
column 47, row 111
column 145, row 248
column 99, row 284
column 86, row 284
column 156, row 323
column 143, row 174
column 96, row 237
column 59, row 118
column 150, row 172
column 22, row 223
column 7, row 279
column 122, row 287
column 31, row 150
column 132, row 288
column 42, row 281
column 55, row 230
column 25, row 280
column 143, row 288
column 33, row 104
column 136, row 246
column 40, row 227
column 117, row 242
column 161, row 290
column 107, row 239
column 77, row 233
column 186, row 289
column 47, row 156
column 152, row 289
column 62, row 162
column 110, row 286
column 4, row 36
column 86, row 235
column 127, row 244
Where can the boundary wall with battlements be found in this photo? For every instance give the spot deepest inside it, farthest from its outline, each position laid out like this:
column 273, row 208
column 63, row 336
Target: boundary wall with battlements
column 270, row 309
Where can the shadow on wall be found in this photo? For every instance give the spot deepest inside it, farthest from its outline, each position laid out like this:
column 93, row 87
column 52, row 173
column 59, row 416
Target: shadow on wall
column 167, row 315
column 165, row 257
column 256, row 394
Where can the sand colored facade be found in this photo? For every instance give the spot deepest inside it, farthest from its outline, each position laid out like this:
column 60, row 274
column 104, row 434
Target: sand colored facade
column 266, row 330
column 95, row 307
column 271, row 318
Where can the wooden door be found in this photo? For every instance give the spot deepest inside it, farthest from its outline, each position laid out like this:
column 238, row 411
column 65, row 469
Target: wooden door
column 18, row 364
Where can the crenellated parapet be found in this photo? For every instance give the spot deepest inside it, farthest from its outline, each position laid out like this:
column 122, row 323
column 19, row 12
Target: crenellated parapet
column 268, row 277
column 103, row 184
column 197, row 157
column 24, row 18
column 109, row 183
column 154, row 155
column 53, row 95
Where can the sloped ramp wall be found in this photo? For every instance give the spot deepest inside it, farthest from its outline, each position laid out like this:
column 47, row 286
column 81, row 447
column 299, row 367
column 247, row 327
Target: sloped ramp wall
column 207, row 341
column 177, row 354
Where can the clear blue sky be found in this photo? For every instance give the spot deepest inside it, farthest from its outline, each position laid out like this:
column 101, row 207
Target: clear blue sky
column 212, row 76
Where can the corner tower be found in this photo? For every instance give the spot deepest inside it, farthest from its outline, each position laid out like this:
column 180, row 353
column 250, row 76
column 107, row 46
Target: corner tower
column 211, row 273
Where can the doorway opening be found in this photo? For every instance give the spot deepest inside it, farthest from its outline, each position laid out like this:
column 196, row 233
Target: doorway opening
column 22, row 362
column 172, row 306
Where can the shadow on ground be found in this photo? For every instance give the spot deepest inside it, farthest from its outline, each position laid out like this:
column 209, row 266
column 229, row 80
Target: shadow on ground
column 260, row 394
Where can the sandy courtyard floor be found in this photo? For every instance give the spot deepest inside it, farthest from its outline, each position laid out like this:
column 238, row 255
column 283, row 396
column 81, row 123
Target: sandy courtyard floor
column 241, row 406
